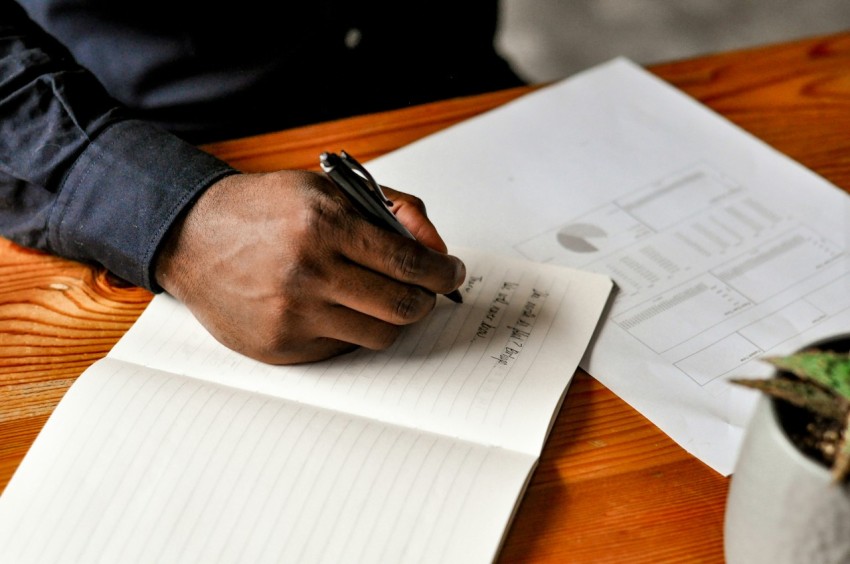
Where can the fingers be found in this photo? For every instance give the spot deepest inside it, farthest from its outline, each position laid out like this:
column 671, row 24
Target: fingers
column 339, row 330
column 350, row 326
column 389, row 277
column 410, row 210
column 380, row 297
column 402, row 259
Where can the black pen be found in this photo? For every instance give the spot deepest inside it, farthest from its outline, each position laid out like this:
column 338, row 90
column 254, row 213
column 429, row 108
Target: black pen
column 366, row 196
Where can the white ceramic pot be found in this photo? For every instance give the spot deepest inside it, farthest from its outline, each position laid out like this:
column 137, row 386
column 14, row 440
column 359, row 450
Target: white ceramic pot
column 782, row 506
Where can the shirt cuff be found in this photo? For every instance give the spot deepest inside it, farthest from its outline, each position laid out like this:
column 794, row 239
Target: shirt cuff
column 123, row 193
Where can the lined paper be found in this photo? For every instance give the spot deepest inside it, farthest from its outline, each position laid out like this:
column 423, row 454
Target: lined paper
column 174, row 448
column 139, row 465
column 491, row 370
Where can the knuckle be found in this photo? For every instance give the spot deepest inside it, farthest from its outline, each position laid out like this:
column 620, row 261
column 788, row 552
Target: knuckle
column 285, row 334
column 406, row 263
column 319, row 208
column 416, row 202
column 316, row 216
column 297, row 275
column 413, row 305
column 279, row 346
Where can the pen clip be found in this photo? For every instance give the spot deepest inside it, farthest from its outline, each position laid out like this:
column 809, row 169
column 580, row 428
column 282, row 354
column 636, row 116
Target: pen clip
column 361, row 171
column 362, row 190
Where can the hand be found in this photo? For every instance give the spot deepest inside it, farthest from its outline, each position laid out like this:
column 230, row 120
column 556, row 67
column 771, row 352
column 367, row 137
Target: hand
column 279, row 267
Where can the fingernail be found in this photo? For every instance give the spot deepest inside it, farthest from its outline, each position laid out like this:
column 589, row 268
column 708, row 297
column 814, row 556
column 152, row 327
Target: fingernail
column 460, row 272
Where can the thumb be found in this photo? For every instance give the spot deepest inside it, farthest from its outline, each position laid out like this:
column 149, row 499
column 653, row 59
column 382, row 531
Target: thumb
column 410, row 211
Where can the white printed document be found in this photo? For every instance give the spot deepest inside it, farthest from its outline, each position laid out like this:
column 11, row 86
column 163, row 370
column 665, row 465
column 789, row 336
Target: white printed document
column 722, row 249
column 176, row 449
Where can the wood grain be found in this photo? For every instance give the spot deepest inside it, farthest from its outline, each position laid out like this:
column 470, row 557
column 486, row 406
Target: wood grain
column 610, row 487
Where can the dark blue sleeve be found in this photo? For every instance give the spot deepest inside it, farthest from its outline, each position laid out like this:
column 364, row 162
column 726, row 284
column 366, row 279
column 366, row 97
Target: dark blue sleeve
column 79, row 177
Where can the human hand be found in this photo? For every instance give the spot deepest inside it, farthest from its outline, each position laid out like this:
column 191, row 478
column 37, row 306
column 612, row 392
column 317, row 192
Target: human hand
column 279, row 267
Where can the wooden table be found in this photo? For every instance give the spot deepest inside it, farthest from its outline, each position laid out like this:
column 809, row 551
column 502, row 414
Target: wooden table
column 610, row 486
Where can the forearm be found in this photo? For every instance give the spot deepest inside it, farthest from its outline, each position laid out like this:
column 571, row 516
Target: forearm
column 78, row 176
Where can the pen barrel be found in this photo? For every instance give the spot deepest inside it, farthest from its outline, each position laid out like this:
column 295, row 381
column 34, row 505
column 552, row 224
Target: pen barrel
column 368, row 204
column 368, row 201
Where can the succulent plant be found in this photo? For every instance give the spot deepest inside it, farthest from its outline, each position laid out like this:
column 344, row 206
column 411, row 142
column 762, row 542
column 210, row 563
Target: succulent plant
column 819, row 382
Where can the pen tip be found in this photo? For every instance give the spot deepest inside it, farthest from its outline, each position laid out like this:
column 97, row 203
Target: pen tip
column 455, row 297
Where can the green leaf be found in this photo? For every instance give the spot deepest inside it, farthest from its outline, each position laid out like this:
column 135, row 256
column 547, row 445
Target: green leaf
column 829, row 369
column 801, row 393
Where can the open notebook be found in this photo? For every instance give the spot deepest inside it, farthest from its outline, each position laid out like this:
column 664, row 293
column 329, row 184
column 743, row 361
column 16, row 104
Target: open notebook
column 174, row 448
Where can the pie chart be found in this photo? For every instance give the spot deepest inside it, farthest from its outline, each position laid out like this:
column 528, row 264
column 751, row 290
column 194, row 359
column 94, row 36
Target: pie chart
column 578, row 237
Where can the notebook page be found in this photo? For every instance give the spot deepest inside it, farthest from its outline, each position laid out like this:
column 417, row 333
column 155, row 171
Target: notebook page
column 137, row 465
column 491, row 370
